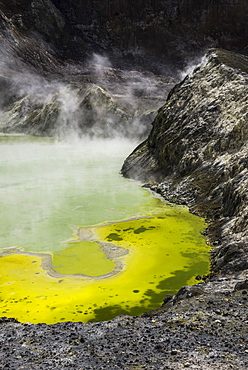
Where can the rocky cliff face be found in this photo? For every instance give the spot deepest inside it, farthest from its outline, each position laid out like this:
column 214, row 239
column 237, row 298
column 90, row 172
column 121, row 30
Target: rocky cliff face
column 197, row 153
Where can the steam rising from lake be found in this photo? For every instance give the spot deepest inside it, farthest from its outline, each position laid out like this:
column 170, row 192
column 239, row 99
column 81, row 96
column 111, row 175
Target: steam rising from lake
column 98, row 100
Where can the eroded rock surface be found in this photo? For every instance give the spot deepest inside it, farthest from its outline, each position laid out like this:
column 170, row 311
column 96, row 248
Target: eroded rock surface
column 85, row 111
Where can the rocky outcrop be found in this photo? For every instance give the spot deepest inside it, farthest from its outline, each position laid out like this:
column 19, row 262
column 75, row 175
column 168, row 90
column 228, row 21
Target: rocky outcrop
column 196, row 153
column 20, row 49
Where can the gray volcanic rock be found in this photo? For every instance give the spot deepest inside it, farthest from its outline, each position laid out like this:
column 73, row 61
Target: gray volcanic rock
column 21, row 49
column 99, row 109
column 197, row 153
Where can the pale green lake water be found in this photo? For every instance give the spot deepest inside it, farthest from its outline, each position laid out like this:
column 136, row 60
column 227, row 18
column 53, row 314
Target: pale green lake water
column 45, row 187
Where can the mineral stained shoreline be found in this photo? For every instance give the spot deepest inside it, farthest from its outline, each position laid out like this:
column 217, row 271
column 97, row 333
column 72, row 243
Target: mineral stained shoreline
column 200, row 327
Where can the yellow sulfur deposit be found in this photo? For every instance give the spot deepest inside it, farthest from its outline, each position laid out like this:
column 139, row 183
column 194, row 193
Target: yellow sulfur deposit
column 133, row 265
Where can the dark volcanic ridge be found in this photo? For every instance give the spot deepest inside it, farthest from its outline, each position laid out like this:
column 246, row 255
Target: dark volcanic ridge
column 148, row 33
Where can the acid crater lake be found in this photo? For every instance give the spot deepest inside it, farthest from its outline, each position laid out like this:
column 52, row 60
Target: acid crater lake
column 81, row 243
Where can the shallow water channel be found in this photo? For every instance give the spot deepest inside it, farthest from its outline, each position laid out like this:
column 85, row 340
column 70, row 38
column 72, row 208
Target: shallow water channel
column 81, row 243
